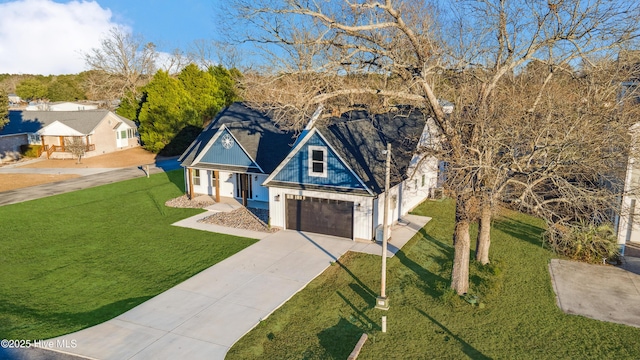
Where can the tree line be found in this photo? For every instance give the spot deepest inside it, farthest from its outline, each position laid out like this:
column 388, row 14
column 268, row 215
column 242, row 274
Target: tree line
column 52, row 87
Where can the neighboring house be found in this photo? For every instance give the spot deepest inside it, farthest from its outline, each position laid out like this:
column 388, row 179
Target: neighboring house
column 14, row 99
column 329, row 180
column 100, row 130
column 627, row 220
column 628, row 226
column 60, row 106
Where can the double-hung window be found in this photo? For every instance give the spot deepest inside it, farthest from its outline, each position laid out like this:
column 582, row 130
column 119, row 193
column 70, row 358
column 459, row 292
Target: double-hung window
column 318, row 161
column 196, row 176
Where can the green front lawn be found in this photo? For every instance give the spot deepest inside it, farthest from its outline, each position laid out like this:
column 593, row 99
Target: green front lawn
column 71, row 261
column 519, row 320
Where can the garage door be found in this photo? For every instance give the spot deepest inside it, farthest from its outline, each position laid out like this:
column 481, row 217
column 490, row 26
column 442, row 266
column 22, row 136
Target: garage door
column 323, row 216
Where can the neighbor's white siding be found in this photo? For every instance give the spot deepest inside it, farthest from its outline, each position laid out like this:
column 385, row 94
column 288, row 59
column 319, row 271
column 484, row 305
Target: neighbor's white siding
column 629, row 221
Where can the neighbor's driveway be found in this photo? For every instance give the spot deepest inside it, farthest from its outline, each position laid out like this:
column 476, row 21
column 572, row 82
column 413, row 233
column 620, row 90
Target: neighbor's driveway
column 91, row 177
column 204, row 316
column 600, row 292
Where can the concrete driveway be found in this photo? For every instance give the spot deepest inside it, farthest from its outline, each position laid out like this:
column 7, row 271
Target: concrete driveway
column 204, row 316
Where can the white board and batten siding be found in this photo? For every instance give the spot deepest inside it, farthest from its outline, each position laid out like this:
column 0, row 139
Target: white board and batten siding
column 362, row 215
column 228, row 184
column 411, row 192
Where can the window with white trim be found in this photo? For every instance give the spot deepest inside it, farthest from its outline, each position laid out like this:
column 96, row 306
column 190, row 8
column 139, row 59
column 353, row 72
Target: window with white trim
column 196, row 176
column 318, row 161
column 34, row 139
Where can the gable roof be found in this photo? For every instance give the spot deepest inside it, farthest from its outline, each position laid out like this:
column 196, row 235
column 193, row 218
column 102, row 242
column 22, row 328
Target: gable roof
column 261, row 139
column 293, row 171
column 83, row 122
column 360, row 140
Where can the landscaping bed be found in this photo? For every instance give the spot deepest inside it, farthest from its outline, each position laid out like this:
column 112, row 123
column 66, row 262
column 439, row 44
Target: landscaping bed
column 242, row 218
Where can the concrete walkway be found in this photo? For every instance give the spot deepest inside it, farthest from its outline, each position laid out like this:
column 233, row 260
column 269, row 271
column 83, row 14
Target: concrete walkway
column 600, row 292
column 204, row 316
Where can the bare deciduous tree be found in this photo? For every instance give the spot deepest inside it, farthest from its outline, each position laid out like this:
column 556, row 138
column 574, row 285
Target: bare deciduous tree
column 76, row 146
column 121, row 64
column 381, row 53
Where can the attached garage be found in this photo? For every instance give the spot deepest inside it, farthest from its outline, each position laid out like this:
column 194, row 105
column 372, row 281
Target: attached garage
column 323, row 216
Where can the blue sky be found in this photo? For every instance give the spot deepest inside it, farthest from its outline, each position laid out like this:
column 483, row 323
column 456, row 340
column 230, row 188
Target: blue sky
column 169, row 24
column 49, row 37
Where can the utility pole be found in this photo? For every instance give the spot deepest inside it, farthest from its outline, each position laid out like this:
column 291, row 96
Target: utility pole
column 382, row 302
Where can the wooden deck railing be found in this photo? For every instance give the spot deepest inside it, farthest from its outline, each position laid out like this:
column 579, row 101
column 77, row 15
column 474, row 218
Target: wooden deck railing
column 50, row 149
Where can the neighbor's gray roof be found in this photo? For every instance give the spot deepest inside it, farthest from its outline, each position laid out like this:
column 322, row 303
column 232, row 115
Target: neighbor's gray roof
column 32, row 121
column 262, row 139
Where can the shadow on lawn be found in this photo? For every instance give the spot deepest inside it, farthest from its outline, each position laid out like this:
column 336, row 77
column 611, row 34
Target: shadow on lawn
column 364, row 290
column 338, row 341
column 469, row 350
column 177, row 178
column 432, row 283
column 71, row 321
column 520, row 230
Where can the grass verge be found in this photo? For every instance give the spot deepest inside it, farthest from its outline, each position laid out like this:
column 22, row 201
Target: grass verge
column 519, row 320
column 74, row 260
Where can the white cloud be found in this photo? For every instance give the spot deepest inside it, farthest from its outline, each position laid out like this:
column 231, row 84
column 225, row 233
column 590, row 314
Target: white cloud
column 45, row 37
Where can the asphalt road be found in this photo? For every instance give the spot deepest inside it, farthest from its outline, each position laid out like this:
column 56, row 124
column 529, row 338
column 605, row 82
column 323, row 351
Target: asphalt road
column 83, row 182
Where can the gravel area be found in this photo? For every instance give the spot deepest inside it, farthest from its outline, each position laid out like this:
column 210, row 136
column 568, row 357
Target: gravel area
column 184, row 202
column 242, row 218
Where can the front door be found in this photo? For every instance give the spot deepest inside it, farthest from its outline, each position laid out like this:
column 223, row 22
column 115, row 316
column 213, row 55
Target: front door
column 121, row 138
column 243, row 187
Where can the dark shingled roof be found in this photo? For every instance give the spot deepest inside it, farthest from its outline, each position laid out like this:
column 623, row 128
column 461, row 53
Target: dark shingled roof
column 32, row 121
column 263, row 140
column 361, row 138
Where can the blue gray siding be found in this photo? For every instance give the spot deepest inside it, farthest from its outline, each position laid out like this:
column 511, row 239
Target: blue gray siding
column 217, row 154
column 297, row 169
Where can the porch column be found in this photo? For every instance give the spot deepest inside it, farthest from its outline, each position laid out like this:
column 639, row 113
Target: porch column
column 44, row 148
column 62, row 142
column 216, row 173
column 190, row 181
column 86, row 143
column 244, row 179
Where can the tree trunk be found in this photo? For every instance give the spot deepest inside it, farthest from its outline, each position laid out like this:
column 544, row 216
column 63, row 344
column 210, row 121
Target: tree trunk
column 484, row 234
column 461, row 247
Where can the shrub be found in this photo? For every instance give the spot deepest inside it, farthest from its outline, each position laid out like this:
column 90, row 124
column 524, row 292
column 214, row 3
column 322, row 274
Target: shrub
column 32, row 151
column 584, row 242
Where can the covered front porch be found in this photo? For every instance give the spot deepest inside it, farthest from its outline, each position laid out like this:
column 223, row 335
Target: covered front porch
column 226, row 186
column 65, row 144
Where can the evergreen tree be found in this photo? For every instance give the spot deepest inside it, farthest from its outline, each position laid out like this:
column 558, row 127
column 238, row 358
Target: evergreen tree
column 166, row 111
column 4, row 108
column 172, row 111
column 32, row 88
column 130, row 106
column 227, row 80
column 65, row 88
column 204, row 91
